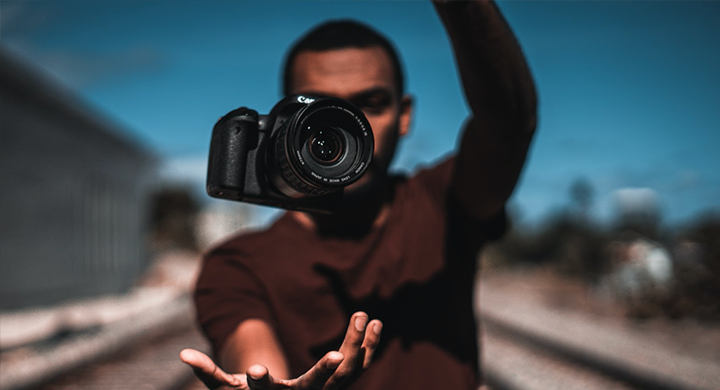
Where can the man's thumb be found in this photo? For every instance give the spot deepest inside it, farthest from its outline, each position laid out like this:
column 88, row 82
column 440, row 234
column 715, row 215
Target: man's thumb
column 206, row 370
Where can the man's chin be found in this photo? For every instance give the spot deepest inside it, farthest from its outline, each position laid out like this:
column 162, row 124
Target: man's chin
column 362, row 190
column 361, row 203
column 354, row 218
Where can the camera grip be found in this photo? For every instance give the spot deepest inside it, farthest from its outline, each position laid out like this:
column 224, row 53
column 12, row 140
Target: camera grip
column 229, row 148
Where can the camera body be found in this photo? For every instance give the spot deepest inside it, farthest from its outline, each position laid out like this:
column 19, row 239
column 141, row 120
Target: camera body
column 298, row 157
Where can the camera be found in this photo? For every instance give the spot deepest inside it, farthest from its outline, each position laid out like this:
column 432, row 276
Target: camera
column 298, row 157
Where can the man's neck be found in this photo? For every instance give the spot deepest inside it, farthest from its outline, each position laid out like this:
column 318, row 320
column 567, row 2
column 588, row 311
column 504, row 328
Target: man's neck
column 310, row 222
column 357, row 217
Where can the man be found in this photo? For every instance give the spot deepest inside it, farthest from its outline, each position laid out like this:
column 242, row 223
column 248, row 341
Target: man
column 275, row 304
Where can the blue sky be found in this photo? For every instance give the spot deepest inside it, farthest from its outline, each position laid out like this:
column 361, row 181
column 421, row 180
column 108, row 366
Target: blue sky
column 629, row 91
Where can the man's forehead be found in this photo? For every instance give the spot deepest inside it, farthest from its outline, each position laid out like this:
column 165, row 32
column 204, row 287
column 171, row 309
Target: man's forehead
column 342, row 72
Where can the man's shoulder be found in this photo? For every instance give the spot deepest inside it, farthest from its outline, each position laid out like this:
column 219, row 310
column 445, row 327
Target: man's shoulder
column 437, row 171
column 433, row 179
column 248, row 245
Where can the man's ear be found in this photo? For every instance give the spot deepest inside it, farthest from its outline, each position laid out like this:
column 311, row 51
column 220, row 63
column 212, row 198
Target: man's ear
column 405, row 120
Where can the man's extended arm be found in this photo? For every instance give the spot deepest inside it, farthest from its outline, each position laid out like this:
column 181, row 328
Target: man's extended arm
column 255, row 353
column 501, row 95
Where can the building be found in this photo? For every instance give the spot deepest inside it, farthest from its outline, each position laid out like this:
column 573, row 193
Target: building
column 73, row 195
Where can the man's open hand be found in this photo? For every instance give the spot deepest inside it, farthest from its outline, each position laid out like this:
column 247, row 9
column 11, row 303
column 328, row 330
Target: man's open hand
column 335, row 370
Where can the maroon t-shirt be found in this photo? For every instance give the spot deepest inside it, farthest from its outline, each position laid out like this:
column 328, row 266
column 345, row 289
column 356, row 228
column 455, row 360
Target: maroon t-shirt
column 415, row 274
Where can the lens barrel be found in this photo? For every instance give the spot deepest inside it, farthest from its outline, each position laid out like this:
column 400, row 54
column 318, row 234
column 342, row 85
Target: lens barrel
column 322, row 147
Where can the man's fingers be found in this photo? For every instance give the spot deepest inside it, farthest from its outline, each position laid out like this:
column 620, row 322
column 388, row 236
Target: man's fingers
column 371, row 341
column 354, row 338
column 206, row 370
column 351, row 348
column 318, row 375
column 258, row 377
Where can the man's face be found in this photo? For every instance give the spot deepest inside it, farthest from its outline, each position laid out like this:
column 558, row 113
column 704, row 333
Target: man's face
column 365, row 78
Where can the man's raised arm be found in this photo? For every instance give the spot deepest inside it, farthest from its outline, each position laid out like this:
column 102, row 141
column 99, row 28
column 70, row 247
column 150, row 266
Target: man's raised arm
column 501, row 94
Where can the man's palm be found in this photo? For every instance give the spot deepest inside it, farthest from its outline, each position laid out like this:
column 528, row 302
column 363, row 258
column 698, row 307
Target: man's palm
column 335, row 370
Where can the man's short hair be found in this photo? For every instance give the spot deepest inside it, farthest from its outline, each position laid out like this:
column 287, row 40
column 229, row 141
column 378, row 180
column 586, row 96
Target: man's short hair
column 342, row 34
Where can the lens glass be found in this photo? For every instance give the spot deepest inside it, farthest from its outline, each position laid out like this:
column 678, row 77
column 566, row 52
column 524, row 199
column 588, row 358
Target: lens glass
column 322, row 147
column 326, row 145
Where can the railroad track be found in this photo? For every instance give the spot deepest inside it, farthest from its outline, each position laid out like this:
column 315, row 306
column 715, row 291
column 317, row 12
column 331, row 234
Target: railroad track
column 518, row 360
column 137, row 353
column 529, row 344
column 148, row 364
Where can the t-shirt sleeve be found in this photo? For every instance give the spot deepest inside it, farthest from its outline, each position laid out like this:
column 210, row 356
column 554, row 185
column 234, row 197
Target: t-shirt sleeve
column 227, row 293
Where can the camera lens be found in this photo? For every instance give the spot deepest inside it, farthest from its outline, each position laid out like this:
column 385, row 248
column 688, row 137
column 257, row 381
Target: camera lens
column 326, row 146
